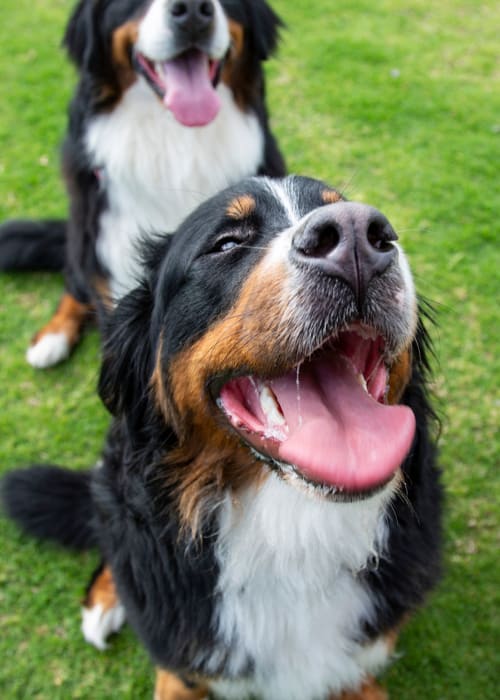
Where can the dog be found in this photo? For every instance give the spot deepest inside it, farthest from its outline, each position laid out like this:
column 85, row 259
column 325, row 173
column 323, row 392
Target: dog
column 269, row 502
column 169, row 109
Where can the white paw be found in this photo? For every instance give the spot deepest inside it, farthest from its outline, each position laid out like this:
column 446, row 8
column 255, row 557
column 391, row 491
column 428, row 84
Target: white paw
column 98, row 624
column 49, row 350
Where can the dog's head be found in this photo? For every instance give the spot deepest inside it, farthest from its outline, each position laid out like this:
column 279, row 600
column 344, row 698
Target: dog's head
column 275, row 333
column 181, row 48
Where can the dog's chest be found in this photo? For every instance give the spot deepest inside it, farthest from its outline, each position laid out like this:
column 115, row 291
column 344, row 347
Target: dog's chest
column 291, row 605
column 154, row 171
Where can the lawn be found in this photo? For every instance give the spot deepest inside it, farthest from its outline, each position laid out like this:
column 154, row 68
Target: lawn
column 398, row 104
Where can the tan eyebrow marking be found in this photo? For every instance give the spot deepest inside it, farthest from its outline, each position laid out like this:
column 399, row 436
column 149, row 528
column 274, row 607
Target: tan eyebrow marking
column 241, row 207
column 331, row 196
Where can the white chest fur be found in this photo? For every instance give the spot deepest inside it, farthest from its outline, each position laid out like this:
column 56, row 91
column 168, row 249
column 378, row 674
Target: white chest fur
column 155, row 171
column 290, row 599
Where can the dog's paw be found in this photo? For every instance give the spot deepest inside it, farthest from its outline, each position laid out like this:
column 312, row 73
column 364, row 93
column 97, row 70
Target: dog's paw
column 98, row 624
column 49, row 350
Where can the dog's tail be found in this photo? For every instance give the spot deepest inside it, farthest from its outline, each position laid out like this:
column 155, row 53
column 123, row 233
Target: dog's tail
column 51, row 503
column 32, row 245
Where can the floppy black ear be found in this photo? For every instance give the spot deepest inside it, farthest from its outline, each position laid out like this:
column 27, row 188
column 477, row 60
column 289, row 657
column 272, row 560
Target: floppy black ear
column 127, row 353
column 265, row 25
column 130, row 337
column 81, row 38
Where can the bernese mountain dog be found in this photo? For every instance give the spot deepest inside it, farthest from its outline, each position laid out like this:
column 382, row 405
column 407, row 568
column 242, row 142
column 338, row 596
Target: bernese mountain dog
column 169, row 109
column 268, row 505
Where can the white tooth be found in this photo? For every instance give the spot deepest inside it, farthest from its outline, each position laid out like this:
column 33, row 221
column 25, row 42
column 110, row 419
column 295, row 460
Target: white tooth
column 270, row 407
column 362, row 381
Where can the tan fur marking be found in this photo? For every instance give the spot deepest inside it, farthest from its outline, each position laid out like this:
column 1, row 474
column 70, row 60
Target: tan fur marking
column 391, row 639
column 399, row 376
column 241, row 207
column 237, row 37
column 215, row 458
column 236, row 73
column 100, row 285
column 331, row 196
column 102, row 592
column 158, row 386
column 212, row 467
column 69, row 319
column 370, row 690
column 246, row 336
column 170, row 687
column 123, row 39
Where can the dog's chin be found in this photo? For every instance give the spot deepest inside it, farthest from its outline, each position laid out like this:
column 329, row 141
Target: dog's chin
column 325, row 424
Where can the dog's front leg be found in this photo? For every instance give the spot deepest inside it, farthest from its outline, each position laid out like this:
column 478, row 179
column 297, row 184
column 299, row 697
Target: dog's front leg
column 102, row 612
column 55, row 341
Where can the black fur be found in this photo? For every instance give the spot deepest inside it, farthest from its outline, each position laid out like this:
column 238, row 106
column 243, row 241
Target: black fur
column 402, row 580
column 50, row 503
column 160, row 575
column 166, row 576
column 32, row 245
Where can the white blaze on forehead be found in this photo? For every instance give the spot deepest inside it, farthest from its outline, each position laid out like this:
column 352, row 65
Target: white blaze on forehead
column 280, row 246
column 282, row 190
column 157, row 40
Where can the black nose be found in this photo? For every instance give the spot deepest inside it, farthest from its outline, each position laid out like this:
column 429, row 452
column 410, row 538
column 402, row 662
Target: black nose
column 193, row 17
column 347, row 240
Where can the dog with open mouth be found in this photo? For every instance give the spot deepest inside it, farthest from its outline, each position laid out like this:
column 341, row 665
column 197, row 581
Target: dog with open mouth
column 269, row 504
column 169, row 109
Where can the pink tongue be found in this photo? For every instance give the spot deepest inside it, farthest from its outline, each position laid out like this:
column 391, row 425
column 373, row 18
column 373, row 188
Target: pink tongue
column 338, row 434
column 190, row 94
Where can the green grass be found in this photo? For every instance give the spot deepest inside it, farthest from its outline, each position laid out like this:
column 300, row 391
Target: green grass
column 399, row 105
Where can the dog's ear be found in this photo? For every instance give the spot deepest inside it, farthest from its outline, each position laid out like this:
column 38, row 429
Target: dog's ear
column 127, row 352
column 265, row 25
column 130, row 336
column 81, row 38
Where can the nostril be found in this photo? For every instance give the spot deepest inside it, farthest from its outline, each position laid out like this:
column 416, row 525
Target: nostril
column 179, row 9
column 320, row 241
column 206, row 9
column 380, row 236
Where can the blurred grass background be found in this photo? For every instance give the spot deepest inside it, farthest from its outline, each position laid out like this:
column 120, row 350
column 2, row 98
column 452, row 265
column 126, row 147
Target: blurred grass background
column 396, row 104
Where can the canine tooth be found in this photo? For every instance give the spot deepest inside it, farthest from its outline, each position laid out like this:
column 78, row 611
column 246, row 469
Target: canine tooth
column 361, row 379
column 270, row 406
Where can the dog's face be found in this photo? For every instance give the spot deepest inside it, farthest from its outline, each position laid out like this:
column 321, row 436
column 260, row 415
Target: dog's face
column 276, row 331
column 181, row 48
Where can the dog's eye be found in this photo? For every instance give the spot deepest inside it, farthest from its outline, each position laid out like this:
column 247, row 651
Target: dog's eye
column 227, row 242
